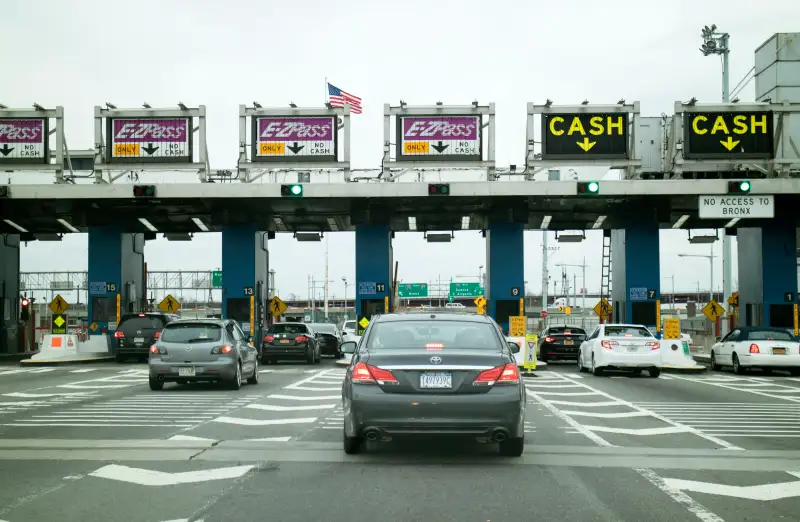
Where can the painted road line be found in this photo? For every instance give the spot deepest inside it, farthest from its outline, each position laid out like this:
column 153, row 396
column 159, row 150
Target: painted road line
column 263, row 422
column 736, row 388
column 26, row 395
column 602, row 415
column 270, row 439
column 303, row 398
column 189, row 437
column 762, row 492
column 84, row 370
column 271, row 407
column 153, row 478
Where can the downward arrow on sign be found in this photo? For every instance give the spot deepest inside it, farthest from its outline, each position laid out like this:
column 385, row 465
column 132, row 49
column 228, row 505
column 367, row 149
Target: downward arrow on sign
column 147, row 477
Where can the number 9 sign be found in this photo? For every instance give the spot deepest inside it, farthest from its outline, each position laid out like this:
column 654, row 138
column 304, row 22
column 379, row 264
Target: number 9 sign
column 515, row 291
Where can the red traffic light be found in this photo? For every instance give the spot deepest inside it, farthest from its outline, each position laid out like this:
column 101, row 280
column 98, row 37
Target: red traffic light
column 25, row 302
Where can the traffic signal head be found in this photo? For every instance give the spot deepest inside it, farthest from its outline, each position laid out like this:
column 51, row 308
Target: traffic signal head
column 738, row 187
column 292, row 190
column 144, row 191
column 25, row 302
column 438, row 189
column 24, row 312
column 3, row 191
column 588, row 187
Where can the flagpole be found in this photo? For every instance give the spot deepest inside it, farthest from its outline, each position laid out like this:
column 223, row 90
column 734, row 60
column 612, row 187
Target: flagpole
column 326, row 89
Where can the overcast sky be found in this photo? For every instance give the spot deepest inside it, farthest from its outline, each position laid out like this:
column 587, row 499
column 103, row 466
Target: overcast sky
column 82, row 53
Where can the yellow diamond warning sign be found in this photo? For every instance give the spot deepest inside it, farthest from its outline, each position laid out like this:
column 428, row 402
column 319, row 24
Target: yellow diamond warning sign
column 364, row 322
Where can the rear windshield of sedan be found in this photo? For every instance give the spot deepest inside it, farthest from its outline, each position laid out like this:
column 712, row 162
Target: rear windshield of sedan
column 324, row 328
column 409, row 335
column 349, row 325
column 137, row 322
column 769, row 335
column 288, row 328
column 566, row 330
column 191, row 332
column 627, row 331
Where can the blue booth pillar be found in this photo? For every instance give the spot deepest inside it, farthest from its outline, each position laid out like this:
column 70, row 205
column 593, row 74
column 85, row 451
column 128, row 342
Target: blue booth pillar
column 767, row 274
column 505, row 271
column 116, row 277
column 374, row 260
column 9, row 293
column 245, row 277
column 636, row 275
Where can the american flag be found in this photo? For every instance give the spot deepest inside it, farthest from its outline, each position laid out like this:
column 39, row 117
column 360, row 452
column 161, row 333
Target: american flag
column 338, row 98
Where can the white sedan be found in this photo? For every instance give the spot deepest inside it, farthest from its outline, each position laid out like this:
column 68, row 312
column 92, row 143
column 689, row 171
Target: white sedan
column 630, row 347
column 757, row 347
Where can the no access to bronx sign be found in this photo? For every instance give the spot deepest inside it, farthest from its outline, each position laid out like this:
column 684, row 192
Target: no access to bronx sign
column 730, row 207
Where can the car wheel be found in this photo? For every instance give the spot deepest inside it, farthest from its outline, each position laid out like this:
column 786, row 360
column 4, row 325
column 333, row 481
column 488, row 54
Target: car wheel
column 737, row 368
column 254, row 378
column 597, row 372
column 794, row 372
column 236, row 382
column 581, row 367
column 654, row 372
column 351, row 445
column 714, row 365
column 512, row 447
column 120, row 358
column 156, row 385
column 310, row 357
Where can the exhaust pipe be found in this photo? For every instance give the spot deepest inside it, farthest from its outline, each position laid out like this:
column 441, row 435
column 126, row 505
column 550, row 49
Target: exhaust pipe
column 160, row 377
column 499, row 435
column 371, row 434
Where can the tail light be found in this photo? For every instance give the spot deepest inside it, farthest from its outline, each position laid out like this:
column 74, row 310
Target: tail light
column 434, row 346
column 157, row 335
column 119, row 335
column 366, row 374
column 507, row 374
column 301, row 339
column 548, row 339
column 222, row 350
column 269, row 338
column 754, row 348
column 654, row 345
column 609, row 345
column 155, row 349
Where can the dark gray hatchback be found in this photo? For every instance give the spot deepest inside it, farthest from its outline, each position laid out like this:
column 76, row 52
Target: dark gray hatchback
column 433, row 374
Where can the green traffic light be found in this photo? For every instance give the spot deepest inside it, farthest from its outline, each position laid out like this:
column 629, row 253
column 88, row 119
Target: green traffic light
column 744, row 186
column 593, row 186
column 296, row 190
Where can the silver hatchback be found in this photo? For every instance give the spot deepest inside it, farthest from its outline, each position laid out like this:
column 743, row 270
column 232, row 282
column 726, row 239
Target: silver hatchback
column 194, row 350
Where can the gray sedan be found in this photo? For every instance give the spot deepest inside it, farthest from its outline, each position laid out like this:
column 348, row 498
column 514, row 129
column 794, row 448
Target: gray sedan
column 193, row 350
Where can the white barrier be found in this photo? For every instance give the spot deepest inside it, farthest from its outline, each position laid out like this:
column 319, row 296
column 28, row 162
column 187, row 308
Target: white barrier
column 56, row 347
column 675, row 354
column 95, row 345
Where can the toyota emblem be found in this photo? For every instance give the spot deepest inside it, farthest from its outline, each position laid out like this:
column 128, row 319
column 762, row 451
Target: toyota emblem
column 188, row 348
column 436, row 360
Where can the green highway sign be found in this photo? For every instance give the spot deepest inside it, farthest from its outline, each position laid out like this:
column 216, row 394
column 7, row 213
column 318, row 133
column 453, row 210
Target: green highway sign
column 412, row 290
column 216, row 279
column 466, row 289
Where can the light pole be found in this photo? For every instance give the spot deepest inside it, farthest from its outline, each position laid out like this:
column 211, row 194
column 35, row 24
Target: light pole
column 718, row 43
column 710, row 257
column 344, row 280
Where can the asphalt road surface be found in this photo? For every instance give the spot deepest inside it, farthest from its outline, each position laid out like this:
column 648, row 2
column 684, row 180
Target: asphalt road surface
column 94, row 443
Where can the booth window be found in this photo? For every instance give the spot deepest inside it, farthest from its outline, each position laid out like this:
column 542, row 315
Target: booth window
column 104, row 309
column 643, row 313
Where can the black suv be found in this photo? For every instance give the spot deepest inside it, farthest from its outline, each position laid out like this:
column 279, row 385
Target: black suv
column 137, row 332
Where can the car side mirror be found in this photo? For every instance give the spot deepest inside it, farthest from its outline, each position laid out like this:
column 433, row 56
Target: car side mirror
column 349, row 347
column 718, row 338
column 514, row 347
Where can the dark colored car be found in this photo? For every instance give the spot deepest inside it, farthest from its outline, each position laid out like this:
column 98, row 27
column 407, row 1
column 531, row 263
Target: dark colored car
column 136, row 333
column 290, row 341
column 330, row 338
column 194, row 350
column 429, row 374
column 561, row 342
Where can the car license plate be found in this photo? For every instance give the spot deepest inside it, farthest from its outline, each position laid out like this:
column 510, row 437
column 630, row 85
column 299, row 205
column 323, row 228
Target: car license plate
column 185, row 372
column 779, row 351
column 441, row 380
column 284, row 341
column 633, row 348
column 138, row 340
column 568, row 342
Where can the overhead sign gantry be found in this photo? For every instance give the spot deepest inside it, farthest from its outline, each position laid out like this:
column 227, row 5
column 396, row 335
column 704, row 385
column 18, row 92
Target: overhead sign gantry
column 148, row 138
column 293, row 138
column 438, row 136
column 591, row 135
column 25, row 139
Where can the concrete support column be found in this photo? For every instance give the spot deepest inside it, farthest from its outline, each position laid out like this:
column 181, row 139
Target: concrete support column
column 636, row 274
column 245, row 272
column 116, row 268
column 374, row 260
column 505, row 270
column 767, row 274
column 9, row 293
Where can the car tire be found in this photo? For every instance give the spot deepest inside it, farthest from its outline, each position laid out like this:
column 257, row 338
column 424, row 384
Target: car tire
column 351, row 445
column 120, row 358
column 794, row 372
column 654, row 372
column 310, row 357
column 714, row 366
column 156, row 385
column 254, row 378
column 597, row 372
column 581, row 367
column 236, row 382
column 512, row 447
column 737, row 368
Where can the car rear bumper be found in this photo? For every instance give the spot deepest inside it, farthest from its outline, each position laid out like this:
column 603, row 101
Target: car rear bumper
column 479, row 415
column 559, row 351
column 221, row 370
column 765, row 360
column 610, row 359
column 134, row 350
column 330, row 349
column 284, row 352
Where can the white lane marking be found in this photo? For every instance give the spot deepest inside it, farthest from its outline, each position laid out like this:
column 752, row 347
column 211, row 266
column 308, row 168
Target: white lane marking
column 97, row 425
column 25, row 395
column 84, row 370
column 271, row 439
column 694, row 507
column 761, row 492
column 302, row 398
column 189, row 437
column 270, row 407
column 550, row 385
column 601, row 415
column 315, row 389
column 689, row 429
column 257, row 422
column 734, row 386
column 597, row 439
column 641, row 431
column 586, row 404
column 301, row 382
column 148, row 477
column 566, row 394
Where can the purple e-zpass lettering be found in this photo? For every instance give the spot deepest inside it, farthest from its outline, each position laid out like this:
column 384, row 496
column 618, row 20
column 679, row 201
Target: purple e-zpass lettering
column 150, row 131
column 295, row 129
column 21, row 131
column 444, row 128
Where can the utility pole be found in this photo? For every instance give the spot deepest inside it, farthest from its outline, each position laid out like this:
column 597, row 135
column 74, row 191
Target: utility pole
column 582, row 266
column 326, row 278
column 719, row 43
column 545, row 270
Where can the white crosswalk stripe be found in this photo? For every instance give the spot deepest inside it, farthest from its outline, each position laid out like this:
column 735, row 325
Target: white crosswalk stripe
column 178, row 410
column 729, row 419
